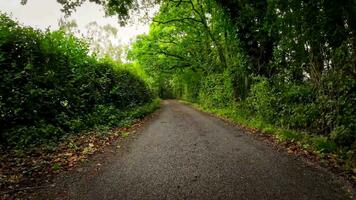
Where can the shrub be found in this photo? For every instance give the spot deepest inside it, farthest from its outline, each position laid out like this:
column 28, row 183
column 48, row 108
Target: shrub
column 216, row 90
column 263, row 100
column 343, row 136
column 50, row 86
column 323, row 145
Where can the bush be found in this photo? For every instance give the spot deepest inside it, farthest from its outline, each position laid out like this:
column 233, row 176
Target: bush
column 343, row 136
column 323, row 145
column 216, row 90
column 262, row 100
column 50, row 86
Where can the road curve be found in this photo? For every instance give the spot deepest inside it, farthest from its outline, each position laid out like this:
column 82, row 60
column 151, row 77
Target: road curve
column 185, row 154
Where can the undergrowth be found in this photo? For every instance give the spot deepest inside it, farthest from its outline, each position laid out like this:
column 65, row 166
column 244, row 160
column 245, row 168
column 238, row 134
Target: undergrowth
column 318, row 144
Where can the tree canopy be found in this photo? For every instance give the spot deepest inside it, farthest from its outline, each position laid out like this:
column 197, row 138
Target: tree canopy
column 288, row 63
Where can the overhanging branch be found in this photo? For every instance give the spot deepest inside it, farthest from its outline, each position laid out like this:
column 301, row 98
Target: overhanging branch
column 178, row 20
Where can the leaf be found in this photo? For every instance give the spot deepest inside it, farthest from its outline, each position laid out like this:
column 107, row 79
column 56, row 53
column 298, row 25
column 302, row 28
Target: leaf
column 56, row 167
column 125, row 134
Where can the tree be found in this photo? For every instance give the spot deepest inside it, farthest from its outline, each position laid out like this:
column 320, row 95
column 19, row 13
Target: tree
column 291, row 63
column 101, row 39
column 120, row 8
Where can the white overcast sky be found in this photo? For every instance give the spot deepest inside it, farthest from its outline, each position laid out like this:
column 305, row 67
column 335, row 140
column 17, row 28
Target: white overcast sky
column 45, row 13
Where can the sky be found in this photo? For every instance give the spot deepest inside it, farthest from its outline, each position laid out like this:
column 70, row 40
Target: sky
column 46, row 13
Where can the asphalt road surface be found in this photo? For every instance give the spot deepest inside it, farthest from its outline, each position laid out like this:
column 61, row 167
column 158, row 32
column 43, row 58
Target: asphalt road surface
column 186, row 154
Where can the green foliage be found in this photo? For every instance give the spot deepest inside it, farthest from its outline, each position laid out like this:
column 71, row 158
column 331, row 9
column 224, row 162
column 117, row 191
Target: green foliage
column 50, row 86
column 56, row 167
column 263, row 100
column 343, row 136
column 323, row 145
column 216, row 90
column 288, row 135
column 125, row 134
column 283, row 67
column 269, row 129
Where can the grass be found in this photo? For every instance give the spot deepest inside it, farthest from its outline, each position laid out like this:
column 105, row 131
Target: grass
column 326, row 149
column 288, row 135
column 315, row 143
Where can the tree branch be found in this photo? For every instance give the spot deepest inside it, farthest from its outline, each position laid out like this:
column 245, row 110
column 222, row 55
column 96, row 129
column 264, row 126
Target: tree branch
column 171, row 54
column 177, row 20
column 167, row 42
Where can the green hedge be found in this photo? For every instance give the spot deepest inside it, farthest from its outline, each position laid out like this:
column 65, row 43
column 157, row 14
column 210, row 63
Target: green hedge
column 50, row 86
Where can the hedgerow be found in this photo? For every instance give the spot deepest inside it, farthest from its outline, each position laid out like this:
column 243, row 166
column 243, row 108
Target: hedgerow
column 50, row 86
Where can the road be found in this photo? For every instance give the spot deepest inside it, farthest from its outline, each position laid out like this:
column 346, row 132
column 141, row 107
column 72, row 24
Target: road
column 186, row 154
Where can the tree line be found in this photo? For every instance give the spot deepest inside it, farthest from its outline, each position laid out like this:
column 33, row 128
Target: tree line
column 289, row 64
